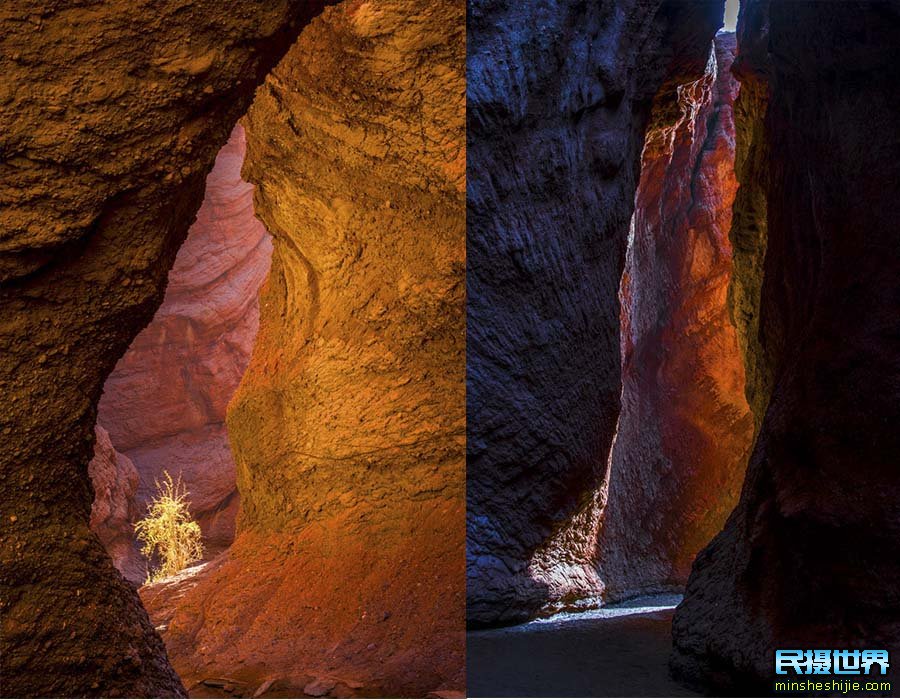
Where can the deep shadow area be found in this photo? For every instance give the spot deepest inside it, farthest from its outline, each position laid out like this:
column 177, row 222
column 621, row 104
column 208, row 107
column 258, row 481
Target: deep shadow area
column 625, row 656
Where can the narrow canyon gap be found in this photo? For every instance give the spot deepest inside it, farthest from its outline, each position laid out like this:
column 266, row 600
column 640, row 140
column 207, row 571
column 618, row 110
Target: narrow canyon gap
column 555, row 133
column 684, row 430
column 810, row 558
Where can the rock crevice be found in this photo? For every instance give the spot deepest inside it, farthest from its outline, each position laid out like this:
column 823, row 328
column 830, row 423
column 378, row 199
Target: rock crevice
column 685, row 429
column 559, row 97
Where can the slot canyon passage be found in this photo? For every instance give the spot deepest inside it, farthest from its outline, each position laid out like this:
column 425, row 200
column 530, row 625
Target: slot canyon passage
column 163, row 407
column 333, row 507
column 706, row 407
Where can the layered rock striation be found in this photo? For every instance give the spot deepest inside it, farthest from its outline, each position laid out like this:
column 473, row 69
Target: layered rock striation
column 111, row 116
column 809, row 559
column 559, row 97
column 348, row 428
column 685, row 429
column 164, row 404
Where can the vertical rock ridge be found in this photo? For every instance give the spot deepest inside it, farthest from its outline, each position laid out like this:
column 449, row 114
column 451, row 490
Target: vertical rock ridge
column 685, row 428
column 114, row 511
column 749, row 221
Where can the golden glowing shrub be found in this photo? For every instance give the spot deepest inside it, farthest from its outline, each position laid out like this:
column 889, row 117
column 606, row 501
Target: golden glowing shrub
column 168, row 533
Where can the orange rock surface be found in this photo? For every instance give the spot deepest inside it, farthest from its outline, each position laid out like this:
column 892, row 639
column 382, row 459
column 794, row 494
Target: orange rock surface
column 348, row 428
column 164, row 404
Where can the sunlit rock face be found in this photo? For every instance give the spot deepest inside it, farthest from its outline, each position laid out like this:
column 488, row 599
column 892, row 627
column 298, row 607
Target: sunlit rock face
column 685, row 428
column 348, row 428
column 810, row 559
column 164, row 404
column 559, row 95
column 111, row 116
column 114, row 510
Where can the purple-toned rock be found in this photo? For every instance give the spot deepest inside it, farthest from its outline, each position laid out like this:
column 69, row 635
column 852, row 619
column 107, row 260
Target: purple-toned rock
column 559, row 97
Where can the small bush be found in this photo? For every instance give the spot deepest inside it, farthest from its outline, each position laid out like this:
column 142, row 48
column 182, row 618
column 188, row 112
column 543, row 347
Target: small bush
column 167, row 533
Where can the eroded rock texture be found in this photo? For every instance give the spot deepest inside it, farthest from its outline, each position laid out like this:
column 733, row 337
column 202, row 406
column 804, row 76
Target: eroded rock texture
column 115, row 481
column 559, row 98
column 110, row 118
column 164, row 404
column 685, row 429
column 811, row 556
column 348, row 427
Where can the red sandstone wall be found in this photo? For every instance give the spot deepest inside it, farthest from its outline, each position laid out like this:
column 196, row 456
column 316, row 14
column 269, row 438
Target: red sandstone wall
column 685, row 428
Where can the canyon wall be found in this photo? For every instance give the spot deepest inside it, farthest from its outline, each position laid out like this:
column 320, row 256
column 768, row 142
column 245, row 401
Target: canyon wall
column 811, row 556
column 164, row 404
column 110, row 118
column 348, row 429
column 559, row 96
column 685, row 429
column 114, row 511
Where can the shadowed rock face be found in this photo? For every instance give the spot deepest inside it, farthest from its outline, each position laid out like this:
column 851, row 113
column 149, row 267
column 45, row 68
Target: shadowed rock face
column 559, row 96
column 114, row 510
column 110, row 118
column 164, row 404
column 685, row 429
column 811, row 556
column 348, row 427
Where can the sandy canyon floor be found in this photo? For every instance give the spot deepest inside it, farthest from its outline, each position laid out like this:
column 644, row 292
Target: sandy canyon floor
column 618, row 651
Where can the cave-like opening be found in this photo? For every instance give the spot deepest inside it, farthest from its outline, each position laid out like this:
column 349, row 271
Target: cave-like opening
column 113, row 139
column 163, row 407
